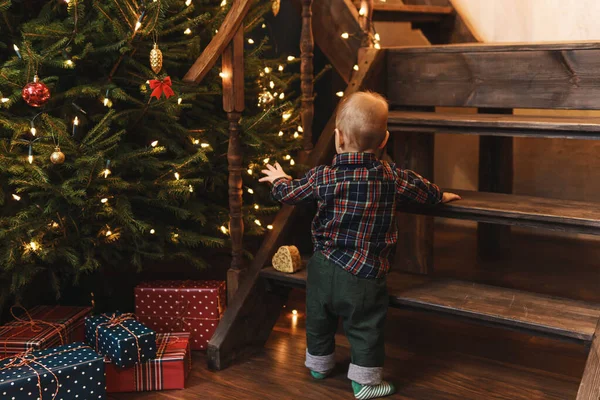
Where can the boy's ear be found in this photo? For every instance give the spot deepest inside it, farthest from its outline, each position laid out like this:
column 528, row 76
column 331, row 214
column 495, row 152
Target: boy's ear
column 339, row 136
column 384, row 141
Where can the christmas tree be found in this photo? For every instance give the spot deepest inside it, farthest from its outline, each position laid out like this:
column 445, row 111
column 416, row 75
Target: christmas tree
column 108, row 159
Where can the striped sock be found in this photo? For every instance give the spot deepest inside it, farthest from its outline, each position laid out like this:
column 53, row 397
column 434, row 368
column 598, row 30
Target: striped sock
column 364, row 392
column 320, row 375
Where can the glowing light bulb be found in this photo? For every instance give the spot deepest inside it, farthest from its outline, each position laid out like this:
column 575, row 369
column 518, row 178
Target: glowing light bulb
column 363, row 11
column 16, row 197
column 106, row 173
column 187, row 31
column 108, row 233
column 268, row 70
column 188, row 2
column 257, row 222
column 295, row 312
column 249, row 171
column 16, row 48
column 191, row 189
column 266, row 160
column 224, row 230
column 340, row 94
column 224, row 74
column 223, row 3
column 33, row 130
column 196, row 141
column 286, row 115
column 300, row 129
column 179, row 100
column 154, row 144
column 69, row 63
column 288, row 157
column 270, row 227
column 291, row 58
column 176, row 175
column 67, row 1
column 355, row 67
column 292, row 162
column 281, row 96
column 280, row 68
column 345, row 35
column 138, row 25
column 377, row 37
column 377, row 46
column 105, row 102
column 251, row 41
column 5, row 100
column 250, row 191
column 34, row 246
column 256, row 206
column 76, row 121
column 30, row 159
column 152, row 231
column 296, row 135
column 280, row 133
column 104, row 200
column 204, row 145
column 272, row 84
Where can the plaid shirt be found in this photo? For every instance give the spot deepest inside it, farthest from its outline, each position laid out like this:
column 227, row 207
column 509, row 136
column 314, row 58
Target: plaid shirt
column 357, row 198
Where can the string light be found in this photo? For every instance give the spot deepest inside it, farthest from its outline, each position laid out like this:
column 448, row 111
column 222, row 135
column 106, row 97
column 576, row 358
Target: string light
column 104, row 200
column 223, row 3
column 256, row 206
column 191, row 189
column 250, row 191
column 249, row 171
column 196, row 141
column 272, row 84
column 355, row 67
column 296, row 135
column 251, row 41
column 108, row 233
column 30, row 156
column 288, row 157
column 138, row 25
column 270, row 227
column 34, row 246
column 16, row 197
column 345, row 35
column 69, row 63
column 280, row 68
column 257, row 222
column 224, row 230
column 280, row 133
column 188, row 2
column 154, row 144
column 16, row 48
column 286, row 115
column 75, row 124
column 266, row 160
column 204, row 145
column 179, row 100
column 295, row 312
column 5, row 100
column 268, row 70
column 152, row 231
column 281, row 96
column 292, row 162
column 363, row 11
column 106, row 171
column 377, row 37
column 67, row 1
column 32, row 129
column 216, row 31
column 340, row 94
column 291, row 58
column 224, row 74
column 176, row 175
column 300, row 129
column 377, row 46
column 187, row 31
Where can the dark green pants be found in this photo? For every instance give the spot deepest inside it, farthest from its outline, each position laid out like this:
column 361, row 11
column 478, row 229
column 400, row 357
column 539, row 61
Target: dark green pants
column 333, row 293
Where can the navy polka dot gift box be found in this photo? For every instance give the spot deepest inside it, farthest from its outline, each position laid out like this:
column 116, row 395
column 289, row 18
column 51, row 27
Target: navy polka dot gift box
column 71, row 372
column 120, row 338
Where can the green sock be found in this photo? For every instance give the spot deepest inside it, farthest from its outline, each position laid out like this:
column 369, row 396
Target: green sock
column 364, row 392
column 320, row 375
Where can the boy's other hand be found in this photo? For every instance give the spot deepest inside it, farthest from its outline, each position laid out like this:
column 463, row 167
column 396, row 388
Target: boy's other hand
column 447, row 197
column 273, row 172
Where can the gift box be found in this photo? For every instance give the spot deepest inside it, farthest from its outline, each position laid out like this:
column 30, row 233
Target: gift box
column 73, row 371
column 168, row 371
column 120, row 338
column 182, row 306
column 41, row 328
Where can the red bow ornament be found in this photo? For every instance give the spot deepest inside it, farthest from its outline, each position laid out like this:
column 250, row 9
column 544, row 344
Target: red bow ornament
column 160, row 87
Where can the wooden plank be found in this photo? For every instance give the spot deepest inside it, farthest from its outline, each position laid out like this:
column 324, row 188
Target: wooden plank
column 496, row 125
column 212, row 52
column 508, row 209
column 409, row 13
column 533, row 76
column 495, row 175
column 589, row 388
column 247, row 322
column 414, row 250
column 508, row 307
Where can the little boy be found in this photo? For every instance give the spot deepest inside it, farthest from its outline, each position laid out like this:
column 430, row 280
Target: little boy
column 353, row 233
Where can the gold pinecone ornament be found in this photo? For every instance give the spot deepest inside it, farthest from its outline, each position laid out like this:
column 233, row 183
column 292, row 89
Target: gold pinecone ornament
column 156, row 59
column 58, row 157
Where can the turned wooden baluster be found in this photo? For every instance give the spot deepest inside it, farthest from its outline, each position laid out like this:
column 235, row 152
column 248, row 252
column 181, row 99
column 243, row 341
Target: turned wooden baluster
column 365, row 19
column 307, row 45
column 233, row 104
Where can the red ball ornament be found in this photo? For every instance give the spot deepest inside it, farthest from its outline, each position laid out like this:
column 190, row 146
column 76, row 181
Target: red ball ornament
column 36, row 94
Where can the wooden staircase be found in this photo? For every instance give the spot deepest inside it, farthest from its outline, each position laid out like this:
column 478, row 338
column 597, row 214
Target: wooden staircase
column 494, row 79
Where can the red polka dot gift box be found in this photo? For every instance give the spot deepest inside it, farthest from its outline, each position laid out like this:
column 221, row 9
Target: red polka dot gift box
column 167, row 371
column 182, row 306
column 42, row 327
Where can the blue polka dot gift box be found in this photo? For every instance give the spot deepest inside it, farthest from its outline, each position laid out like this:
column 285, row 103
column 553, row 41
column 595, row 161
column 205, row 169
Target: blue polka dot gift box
column 71, row 372
column 120, row 338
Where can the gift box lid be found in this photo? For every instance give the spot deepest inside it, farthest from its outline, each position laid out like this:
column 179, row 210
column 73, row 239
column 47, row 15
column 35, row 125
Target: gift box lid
column 185, row 299
column 55, row 360
column 42, row 326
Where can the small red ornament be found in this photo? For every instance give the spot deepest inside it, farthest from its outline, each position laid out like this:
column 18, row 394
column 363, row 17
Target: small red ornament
column 160, row 87
column 36, row 93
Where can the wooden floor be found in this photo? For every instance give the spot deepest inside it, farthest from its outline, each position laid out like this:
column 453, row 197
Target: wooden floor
column 431, row 357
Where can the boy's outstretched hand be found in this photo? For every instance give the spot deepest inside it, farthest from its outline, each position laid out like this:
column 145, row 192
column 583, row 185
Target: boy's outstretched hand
column 447, row 197
column 273, row 172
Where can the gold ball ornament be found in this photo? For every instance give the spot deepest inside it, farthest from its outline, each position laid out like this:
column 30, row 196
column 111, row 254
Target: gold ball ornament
column 57, row 157
column 156, row 59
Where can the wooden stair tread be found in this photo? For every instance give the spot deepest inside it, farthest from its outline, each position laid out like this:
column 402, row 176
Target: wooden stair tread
column 408, row 13
column 513, row 308
column 509, row 209
column 498, row 124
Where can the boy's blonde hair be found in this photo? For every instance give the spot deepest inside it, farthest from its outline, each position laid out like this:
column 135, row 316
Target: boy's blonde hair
column 362, row 118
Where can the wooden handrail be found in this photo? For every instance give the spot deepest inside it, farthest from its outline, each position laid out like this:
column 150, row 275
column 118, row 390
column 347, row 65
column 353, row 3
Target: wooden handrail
column 208, row 58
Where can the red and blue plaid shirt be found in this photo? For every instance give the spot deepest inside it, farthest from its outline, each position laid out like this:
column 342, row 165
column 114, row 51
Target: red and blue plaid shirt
column 357, row 198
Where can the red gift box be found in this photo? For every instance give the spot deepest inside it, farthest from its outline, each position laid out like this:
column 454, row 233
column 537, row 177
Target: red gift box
column 182, row 306
column 168, row 371
column 43, row 327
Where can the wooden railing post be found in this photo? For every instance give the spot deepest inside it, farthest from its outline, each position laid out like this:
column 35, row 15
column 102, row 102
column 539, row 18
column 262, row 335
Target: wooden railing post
column 232, row 73
column 365, row 19
column 307, row 45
